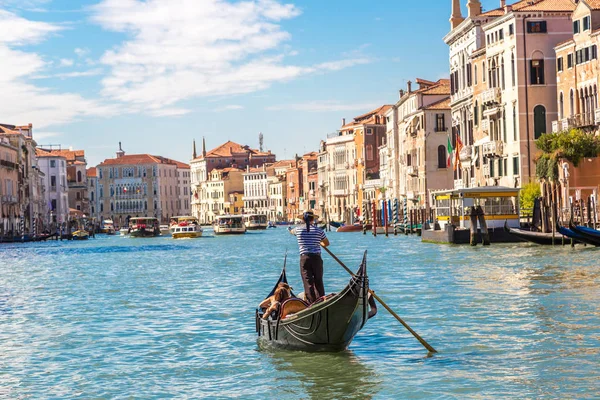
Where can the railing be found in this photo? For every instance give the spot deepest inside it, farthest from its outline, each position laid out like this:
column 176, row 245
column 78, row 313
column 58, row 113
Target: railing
column 412, row 170
column 459, row 184
column 9, row 199
column 340, row 192
column 492, row 96
column 581, row 120
column 411, row 195
column 492, row 148
column 597, row 116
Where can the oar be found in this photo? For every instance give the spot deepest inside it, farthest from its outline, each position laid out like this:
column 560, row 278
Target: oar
column 415, row 334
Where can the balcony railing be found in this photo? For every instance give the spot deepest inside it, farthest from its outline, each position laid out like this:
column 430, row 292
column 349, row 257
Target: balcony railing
column 459, row 184
column 581, row 120
column 412, row 170
column 411, row 195
column 340, row 192
column 486, row 170
column 493, row 149
column 597, row 116
column 492, row 96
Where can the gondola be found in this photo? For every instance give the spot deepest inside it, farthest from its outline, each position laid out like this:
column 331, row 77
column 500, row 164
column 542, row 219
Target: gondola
column 535, row 237
column 336, row 224
column 585, row 234
column 328, row 325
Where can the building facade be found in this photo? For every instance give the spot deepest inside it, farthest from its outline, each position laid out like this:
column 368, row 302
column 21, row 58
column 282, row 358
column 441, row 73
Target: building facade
column 9, row 181
column 507, row 55
column 139, row 185
column 54, row 167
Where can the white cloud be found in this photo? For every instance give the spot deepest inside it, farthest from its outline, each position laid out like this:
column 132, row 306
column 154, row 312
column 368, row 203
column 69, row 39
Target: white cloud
column 25, row 102
column 20, row 31
column 325, row 106
column 79, row 74
column 209, row 48
column 81, row 52
column 230, row 107
column 66, row 62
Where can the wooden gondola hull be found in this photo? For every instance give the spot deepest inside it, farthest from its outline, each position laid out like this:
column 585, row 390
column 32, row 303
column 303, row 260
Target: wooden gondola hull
column 537, row 237
column 328, row 326
column 584, row 235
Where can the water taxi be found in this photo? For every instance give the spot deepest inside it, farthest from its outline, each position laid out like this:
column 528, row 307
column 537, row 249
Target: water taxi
column 185, row 227
column 124, row 231
column 81, row 234
column 108, row 227
column 144, row 227
column 229, row 225
column 255, row 222
column 165, row 230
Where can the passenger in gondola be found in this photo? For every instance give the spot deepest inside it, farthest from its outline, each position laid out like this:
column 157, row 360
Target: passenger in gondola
column 310, row 239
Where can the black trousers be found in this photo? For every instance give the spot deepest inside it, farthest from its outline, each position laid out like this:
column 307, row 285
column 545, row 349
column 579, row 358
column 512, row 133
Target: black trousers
column 311, row 269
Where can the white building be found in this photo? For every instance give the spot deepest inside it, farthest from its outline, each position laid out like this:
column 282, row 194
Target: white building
column 256, row 191
column 54, row 168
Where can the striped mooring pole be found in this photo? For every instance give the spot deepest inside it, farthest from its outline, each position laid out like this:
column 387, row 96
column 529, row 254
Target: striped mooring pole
column 34, row 227
column 395, row 213
column 405, row 215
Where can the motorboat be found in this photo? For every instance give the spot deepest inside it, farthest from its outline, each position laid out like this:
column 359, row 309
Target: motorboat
column 229, row 225
column 255, row 222
column 144, row 227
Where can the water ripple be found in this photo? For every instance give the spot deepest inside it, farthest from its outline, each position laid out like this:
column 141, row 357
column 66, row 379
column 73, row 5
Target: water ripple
column 123, row 318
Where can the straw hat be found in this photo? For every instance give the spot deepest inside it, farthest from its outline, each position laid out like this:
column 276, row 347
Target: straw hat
column 310, row 213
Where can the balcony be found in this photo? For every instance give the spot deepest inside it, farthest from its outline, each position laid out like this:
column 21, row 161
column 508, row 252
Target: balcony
column 466, row 153
column 492, row 96
column 492, row 149
column 412, row 170
column 411, row 195
column 459, row 184
column 597, row 116
column 340, row 192
column 9, row 199
column 581, row 120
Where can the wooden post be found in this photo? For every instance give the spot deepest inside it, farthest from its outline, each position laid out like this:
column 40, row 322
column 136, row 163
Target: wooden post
column 553, row 224
column 473, row 226
column 589, row 212
column 483, row 224
column 374, row 215
column 385, row 217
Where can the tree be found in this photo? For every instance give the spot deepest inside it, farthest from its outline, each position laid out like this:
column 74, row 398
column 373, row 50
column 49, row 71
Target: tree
column 528, row 194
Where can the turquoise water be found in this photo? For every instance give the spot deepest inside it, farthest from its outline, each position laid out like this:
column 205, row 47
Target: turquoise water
column 116, row 317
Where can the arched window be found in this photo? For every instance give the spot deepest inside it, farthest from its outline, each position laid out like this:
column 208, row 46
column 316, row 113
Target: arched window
column 475, row 73
column 92, row 196
column 561, row 106
column 369, row 152
column 571, row 103
column 442, row 159
column 502, row 78
column 512, row 69
column 78, row 176
column 539, row 121
column 483, row 72
column 476, row 114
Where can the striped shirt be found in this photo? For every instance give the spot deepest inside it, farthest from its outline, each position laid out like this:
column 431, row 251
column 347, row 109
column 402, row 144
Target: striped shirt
column 309, row 242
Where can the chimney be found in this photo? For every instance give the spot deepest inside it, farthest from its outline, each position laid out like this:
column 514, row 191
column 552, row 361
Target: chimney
column 502, row 3
column 203, row 147
column 456, row 16
column 120, row 153
column 343, row 121
column 409, row 86
column 473, row 8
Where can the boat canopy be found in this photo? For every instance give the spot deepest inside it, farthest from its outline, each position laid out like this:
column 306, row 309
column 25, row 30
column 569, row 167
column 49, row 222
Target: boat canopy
column 499, row 204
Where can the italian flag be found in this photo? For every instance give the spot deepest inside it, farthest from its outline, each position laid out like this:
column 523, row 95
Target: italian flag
column 450, row 150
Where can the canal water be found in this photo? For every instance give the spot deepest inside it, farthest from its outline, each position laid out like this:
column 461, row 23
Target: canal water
column 115, row 317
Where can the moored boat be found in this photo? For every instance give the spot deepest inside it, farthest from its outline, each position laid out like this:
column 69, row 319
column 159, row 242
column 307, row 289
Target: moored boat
column 229, row 225
column 353, row 228
column 108, row 227
column 336, row 224
column 585, row 230
column 144, row 227
column 536, row 237
column 124, row 231
column 329, row 324
column 165, row 230
column 580, row 235
column 81, row 234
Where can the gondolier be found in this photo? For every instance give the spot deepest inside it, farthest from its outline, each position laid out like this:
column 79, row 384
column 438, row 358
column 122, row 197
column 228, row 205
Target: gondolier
column 310, row 238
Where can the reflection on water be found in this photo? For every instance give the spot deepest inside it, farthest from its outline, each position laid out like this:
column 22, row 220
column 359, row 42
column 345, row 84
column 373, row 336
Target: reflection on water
column 328, row 376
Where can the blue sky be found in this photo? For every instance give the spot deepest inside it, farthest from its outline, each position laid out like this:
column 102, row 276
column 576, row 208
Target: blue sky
column 156, row 74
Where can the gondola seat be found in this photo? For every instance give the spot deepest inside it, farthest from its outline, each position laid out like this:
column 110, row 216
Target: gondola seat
column 292, row 306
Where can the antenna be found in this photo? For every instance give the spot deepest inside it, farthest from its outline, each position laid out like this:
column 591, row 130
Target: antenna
column 260, row 141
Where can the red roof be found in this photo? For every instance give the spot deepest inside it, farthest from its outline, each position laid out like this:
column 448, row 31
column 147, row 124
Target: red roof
column 70, row 155
column 91, row 172
column 137, row 159
column 369, row 118
column 230, row 149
